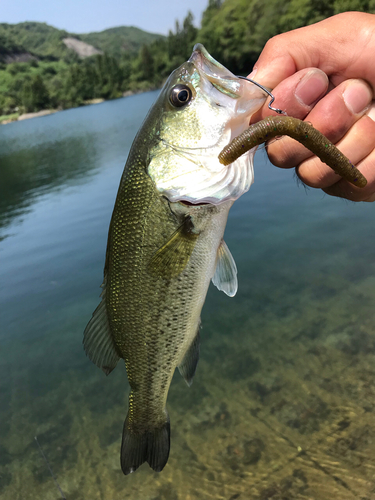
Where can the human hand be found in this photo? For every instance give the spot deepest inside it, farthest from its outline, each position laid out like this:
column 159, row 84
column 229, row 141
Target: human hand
column 300, row 66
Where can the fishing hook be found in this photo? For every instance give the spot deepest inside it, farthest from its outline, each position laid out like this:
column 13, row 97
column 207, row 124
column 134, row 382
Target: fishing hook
column 277, row 110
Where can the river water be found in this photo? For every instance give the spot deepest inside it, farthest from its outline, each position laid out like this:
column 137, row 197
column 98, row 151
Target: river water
column 283, row 401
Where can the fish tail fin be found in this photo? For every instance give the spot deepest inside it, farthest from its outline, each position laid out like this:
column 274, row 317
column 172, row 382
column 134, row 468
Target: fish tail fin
column 151, row 446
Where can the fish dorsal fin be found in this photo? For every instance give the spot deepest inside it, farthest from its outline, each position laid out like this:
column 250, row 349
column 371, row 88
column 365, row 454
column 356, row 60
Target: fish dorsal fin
column 171, row 259
column 225, row 277
column 97, row 339
column 189, row 363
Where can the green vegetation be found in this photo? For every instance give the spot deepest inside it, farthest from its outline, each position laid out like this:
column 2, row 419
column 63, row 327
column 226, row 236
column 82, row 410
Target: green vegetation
column 8, row 46
column 54, row 76
column 120, row 41
column 9, row 118
column 233, row 31
column 37, row 38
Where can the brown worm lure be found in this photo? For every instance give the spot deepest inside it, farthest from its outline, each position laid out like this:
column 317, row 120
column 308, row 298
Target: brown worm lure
column 302, row 132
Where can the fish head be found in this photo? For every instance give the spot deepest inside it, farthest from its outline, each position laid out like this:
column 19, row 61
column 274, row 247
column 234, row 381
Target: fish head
column 200, row 109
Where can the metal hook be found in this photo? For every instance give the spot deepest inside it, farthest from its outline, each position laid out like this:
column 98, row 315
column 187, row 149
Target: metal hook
column 277, row 110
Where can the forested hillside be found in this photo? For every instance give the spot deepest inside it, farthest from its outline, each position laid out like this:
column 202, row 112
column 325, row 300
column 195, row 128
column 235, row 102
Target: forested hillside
column 46, row 41
column 38, row 70
column 9, row 47
column 37, row 38
column 54, row 76
column 120, row 41
column 235, row 31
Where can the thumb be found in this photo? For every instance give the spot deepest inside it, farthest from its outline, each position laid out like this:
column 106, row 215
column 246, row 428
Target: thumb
column 297, row 94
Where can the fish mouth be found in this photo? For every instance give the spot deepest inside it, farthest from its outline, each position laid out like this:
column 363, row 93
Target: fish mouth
column 195, row 204
column 219, row 76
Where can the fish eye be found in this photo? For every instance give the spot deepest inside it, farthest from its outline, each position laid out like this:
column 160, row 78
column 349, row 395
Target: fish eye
column 180, row 95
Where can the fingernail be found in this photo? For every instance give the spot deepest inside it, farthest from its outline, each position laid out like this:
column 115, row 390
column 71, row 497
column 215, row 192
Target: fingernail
column 312, row 86
column 371, row 112
column 357, row 96
column 252, row 74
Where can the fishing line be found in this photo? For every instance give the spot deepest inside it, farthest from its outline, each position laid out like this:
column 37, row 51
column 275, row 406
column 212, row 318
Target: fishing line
column 49, row 468
column 268, row 143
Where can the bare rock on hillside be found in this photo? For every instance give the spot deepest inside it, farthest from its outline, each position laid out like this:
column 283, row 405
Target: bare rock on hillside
column 83, row 49
column 19, row 57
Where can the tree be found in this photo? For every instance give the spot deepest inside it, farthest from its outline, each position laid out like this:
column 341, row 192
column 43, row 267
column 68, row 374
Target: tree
column 144, row 65
column 35, row 94
column 358, row 5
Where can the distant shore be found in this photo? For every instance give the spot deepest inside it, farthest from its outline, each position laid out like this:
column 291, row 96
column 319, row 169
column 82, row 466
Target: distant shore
column 17, row 117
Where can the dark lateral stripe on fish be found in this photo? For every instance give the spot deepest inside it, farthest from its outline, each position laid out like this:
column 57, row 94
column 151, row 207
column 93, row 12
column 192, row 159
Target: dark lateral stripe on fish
column 302, row 132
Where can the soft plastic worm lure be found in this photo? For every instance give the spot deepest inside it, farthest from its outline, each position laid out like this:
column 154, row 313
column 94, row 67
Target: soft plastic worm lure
column 302, row 132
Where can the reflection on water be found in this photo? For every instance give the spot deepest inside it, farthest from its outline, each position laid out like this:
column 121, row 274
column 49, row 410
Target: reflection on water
column 29, row 172
column 283, row 402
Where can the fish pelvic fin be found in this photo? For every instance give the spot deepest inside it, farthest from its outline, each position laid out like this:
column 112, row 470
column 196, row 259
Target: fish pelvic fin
column 97, row 339
column 225, row 277
column 151, row 446
column 189, row 363
column 172, row 258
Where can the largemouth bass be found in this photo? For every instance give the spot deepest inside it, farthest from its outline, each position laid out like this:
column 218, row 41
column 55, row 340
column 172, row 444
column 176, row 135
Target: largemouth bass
column 165, row 244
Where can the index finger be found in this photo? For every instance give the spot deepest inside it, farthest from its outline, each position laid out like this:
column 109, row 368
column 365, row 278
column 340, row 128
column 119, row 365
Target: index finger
column 340, row 46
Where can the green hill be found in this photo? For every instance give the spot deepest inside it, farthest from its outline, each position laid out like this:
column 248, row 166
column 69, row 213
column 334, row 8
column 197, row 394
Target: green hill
column 40, row 39
column 46, row 42
column 40, row 68
column 9, row 47
column 120, row 41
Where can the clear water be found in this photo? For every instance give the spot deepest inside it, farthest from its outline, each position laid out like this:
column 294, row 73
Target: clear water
column 283, row 401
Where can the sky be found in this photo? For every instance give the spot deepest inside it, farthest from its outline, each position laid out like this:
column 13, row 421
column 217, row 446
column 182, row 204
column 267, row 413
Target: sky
column 84, row 16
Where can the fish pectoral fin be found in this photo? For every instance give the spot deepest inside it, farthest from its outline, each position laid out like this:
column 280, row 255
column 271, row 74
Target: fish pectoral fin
column 189, row 363
column 225, row 277
column 97, row 339
column 172, row 258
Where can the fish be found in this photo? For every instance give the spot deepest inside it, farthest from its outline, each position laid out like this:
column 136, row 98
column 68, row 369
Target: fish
column 165, row 244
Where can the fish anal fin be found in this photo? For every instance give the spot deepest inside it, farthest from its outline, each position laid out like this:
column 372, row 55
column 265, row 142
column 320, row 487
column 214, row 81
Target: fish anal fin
column 189, row 364
column 225, row 277
column 172, row 258
column 97, row 339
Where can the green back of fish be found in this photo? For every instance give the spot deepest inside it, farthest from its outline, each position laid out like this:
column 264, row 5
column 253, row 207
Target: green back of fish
column 147, row 317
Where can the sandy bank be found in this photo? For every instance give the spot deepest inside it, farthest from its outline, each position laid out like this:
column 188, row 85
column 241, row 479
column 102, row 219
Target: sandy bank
column 43, row 112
